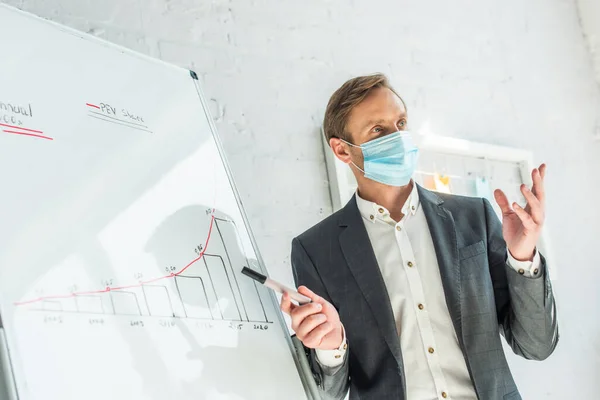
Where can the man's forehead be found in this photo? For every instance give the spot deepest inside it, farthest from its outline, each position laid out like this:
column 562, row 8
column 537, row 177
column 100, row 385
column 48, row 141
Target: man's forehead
column 381, row 115
column 381, row 101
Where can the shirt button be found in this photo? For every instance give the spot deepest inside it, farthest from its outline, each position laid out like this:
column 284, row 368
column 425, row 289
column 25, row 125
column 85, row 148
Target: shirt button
column 410, row 264
column 444, row 394
column 431, row 350
column 337, row 355
column 345, row 346
column 535, row 271
column 421, row 306
column 372, row 217
column 413, row 208
column 381, row 210
column 521, row 271
column 398, row 228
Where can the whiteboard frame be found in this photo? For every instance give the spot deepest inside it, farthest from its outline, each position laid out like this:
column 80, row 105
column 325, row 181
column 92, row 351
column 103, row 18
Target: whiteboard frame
column 304, row 372
column 302, row 368
column 342, row 181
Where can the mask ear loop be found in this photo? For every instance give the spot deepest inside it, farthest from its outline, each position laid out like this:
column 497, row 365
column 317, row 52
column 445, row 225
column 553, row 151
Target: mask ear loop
column 352, row 162
column 348, row 143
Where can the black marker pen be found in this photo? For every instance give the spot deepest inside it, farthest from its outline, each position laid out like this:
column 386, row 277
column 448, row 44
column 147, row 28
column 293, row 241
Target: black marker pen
column 276, row 286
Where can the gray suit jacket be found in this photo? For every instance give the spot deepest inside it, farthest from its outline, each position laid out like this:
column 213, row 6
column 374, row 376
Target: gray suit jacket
column 485, row 298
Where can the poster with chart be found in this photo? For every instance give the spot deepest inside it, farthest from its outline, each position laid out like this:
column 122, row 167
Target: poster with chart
column 122, row 240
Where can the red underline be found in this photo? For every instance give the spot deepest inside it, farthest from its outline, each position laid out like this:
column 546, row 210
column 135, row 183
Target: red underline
column 21, row 128
column 92, row 105
column 139, row 284
column 28, row 134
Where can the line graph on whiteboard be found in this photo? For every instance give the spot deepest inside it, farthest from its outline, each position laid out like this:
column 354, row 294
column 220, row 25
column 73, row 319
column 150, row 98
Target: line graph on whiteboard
column 209, row 287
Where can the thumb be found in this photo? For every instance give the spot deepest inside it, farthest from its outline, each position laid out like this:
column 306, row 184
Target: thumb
column 502, row 201
column 328, row 308
column 311, row 295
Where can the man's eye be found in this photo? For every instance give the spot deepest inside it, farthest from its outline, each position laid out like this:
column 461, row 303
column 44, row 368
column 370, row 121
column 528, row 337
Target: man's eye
column 378, row 129
column 402, row 123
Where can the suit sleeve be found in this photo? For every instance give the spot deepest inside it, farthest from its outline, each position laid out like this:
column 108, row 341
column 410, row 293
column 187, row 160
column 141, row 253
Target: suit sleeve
column 524, row 303
column 333, row 383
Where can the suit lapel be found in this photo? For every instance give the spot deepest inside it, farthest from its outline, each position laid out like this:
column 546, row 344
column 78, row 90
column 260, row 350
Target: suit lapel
column 362, row 263
column 443, row 233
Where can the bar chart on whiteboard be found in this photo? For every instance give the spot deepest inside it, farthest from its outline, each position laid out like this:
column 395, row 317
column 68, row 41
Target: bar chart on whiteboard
column 209, row 287
column 144, row 294
column 123, row 238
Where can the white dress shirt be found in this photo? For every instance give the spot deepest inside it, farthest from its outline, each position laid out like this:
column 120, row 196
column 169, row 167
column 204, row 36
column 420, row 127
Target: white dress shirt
column 434, row 364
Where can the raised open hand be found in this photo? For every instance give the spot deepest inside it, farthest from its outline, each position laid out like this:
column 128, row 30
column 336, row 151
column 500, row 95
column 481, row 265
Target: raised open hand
column 521, row 227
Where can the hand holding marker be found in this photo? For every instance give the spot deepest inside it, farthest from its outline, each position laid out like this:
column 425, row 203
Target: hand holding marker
column 276, row 286
column 315, row 320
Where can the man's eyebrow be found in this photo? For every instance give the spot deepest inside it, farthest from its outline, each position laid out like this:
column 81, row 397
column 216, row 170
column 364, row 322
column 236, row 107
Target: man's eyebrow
column 380, row 121
column 373, row 122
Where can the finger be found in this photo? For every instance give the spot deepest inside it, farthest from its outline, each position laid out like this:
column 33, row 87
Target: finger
column 299, row 313
column 328, row 309
column 502, row 201
column 543, row 170
column 525, row 218
column 310, row 294
column 534, row 207
column 309, row 323
column 316, row 336
column 538, row 184
column 286, row 304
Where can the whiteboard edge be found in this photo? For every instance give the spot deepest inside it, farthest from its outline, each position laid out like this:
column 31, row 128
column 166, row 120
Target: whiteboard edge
column 7, row 368
column 302, row 367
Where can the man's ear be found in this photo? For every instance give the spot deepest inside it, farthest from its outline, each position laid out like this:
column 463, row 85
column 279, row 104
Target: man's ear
column 340, row 150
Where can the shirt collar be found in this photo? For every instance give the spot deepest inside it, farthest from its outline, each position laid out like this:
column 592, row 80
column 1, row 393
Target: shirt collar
column 373, row 212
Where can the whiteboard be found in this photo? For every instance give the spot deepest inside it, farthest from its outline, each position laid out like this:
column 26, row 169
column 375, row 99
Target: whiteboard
column 122, row 237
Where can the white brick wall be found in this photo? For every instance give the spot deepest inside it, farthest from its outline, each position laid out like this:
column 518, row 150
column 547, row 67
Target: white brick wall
column 589, row 13
column 509, row 72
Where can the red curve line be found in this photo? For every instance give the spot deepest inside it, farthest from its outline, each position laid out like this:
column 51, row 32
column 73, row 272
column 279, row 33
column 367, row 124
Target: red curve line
column 139, row 284
column 21, row 128
column 28, row 134
column 92, row 105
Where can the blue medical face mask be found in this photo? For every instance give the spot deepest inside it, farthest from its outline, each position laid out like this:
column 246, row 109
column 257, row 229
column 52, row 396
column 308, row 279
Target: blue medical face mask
column 390, row 159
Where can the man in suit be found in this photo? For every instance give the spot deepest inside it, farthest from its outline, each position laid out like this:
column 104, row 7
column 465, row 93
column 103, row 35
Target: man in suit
column 411, row 289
